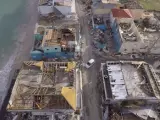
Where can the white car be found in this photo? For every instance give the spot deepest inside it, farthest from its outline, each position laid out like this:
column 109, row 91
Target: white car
column 80, row 37
column 90, row 63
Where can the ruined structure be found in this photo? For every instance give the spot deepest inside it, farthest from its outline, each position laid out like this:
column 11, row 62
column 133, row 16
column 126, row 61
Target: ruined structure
column 130, row 88
column 139, row 36
column 55, row 42
column 45, row 89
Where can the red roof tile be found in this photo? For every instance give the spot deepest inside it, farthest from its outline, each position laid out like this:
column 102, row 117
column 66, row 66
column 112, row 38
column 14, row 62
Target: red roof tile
column 121, row 13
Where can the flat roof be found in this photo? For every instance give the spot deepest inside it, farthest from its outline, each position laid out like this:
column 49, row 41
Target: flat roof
column 44, row 85
column 131, row 80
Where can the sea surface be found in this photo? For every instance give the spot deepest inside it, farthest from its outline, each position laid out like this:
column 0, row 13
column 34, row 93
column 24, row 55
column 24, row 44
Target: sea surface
column 12, row 15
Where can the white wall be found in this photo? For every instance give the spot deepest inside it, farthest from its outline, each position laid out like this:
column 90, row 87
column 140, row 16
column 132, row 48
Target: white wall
column 73, row 6
column 71, row 43
column 44, row 10
column 65, row 10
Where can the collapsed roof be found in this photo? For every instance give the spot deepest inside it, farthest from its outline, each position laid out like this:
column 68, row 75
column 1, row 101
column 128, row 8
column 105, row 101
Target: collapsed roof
column 44, row 85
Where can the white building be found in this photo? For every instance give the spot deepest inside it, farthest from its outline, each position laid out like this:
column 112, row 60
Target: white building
column 65, row 7
column 137, row 38
column 132, row 86
column 131, row 41
column 128, row 80
column 45, row 7
column 59, row 7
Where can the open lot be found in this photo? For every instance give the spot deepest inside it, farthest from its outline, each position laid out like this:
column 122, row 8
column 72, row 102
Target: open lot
column 150, row 4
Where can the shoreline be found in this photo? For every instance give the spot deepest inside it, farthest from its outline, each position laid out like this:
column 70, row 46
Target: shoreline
column 25, row 41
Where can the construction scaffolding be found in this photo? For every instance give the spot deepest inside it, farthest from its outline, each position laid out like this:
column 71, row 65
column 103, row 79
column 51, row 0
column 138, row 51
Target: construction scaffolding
column 44, row 85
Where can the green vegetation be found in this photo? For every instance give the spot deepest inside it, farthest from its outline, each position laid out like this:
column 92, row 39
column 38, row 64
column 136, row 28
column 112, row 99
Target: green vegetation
column 150, row 4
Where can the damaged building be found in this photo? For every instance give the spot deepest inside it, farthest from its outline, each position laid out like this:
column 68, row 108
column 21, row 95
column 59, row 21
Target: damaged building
column 55, row 43
column 130, row 41
column 45, row 7
column 131, row 91
column 65, row 7
column 135, row 35
column 45, row 90
column 149, row 29
column 58, row 7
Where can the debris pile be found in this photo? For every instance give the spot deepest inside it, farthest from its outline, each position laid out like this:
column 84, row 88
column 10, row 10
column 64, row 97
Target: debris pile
column 151, row 24
column 98, row 20
column 51, row 17
column 127, row 32
column 132, row 4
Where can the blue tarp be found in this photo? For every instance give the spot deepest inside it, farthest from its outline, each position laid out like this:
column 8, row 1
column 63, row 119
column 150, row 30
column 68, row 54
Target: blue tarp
column 38, row 37
column 36, row 55
column 101, row 27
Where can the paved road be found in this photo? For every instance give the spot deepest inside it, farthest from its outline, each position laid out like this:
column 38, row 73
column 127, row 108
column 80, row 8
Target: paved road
column 90, row 95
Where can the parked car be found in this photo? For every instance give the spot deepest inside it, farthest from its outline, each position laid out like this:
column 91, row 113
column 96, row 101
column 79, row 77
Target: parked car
column 89, row 63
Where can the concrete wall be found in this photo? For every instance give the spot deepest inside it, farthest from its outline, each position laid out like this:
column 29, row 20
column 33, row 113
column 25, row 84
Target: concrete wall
column 44, row 10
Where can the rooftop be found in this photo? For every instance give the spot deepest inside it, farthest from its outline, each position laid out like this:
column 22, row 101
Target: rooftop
column 121, row 13
column 130, row 80
column 43, row 86
column 131, row 91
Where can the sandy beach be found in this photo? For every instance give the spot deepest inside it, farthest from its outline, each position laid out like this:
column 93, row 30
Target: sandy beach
column 24, row 45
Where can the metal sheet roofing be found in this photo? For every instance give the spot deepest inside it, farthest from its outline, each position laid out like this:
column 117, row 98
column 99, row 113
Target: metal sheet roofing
column 69, row 94
column 121, row 13
column 117, row 81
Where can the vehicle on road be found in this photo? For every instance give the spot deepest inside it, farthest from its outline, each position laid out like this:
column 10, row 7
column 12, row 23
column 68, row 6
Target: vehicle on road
column 80, row 37
column 89, row 63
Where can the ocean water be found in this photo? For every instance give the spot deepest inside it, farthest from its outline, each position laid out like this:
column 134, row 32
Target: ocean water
column 12, row 14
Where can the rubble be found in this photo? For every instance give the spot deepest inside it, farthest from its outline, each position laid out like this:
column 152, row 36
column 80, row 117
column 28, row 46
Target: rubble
column 127, row 34
column 132, row 4
column 152, row 24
